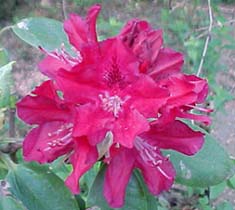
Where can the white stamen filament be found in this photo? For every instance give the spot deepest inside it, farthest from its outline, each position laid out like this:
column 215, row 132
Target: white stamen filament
column 112, row 103
column 163, row 172
column 59, row 139
column 199, row 108
column 151, row 155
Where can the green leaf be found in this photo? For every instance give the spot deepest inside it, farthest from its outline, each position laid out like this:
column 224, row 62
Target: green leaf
column 60, row 168
column 81, row 202
column 5, row 84
column 39, row 188
column 3, row 170
column 231, row 182
column 3, row 57
column 88, row 178
column 40, row 31
column 210, row 166
column 9, row 203
column 137, row 195
column 216, row 190
column 225, row 206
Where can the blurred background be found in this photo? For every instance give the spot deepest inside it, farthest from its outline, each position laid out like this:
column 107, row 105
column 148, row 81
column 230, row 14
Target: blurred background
column 185, row 24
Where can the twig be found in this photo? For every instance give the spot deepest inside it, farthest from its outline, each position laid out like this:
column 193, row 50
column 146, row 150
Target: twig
column 12, row 129
column 64, row 9
column 170, row 4
column 207, row 39
column 177, row 5
column 229, row 22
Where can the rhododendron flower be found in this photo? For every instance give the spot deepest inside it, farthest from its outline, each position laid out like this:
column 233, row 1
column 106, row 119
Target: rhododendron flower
column 119, row 101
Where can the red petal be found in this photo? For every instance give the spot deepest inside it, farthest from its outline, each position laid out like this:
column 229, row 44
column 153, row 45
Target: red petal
column 36, row 146
column 146, row 96
column 92, row 122
column 75, row 89
column 117, row 176
column 132, row 27
column 168, row 62
column 129, row 124
column 42, row 108
column 143, row 40
column 47, row 89
column 200, row 87
column 83, row 158
column 159, row 178
column 93, row 12
column 177, row 136
column 81, row 31
column 50, row 66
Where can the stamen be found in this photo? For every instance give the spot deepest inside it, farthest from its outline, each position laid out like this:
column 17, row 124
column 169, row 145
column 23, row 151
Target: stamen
column 60, row 137
column 163, row 172
column 117, row 145
column 150, row 154
column 112, row 103
column 200, row 108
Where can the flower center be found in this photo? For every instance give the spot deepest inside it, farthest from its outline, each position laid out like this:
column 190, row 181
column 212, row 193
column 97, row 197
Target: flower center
column 60, row 137
column 112, row 74
column 111, row 103
column 151, row 155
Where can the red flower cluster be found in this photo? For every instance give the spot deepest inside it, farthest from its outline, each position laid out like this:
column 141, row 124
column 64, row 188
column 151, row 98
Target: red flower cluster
column 119, row 100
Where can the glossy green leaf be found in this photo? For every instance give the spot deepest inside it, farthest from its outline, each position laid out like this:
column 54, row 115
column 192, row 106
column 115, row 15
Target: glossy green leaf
column 210, row 166
column 40, row 31
column 9, row 203
column 137, row 195
column 39, row 188
column 5, row 84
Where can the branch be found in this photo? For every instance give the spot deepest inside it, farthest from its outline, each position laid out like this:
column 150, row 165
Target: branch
column 229, row 22
column 207, row 39
column 64, row 9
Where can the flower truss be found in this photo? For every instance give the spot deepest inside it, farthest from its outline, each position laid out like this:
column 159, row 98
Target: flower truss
column 119, row 100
